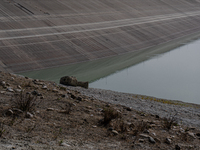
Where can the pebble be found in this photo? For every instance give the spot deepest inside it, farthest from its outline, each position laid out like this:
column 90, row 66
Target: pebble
column 50, row 109
column 10, row 90
column 191, row 134
column 168, row 141
column 18, row 90
column 44, row 87
column 9, row 112
column 65, row 144
column 141, row 140
column 29, row 115
column 115, row 132
column 144, row 135
column 19, row 87
column 151, row 140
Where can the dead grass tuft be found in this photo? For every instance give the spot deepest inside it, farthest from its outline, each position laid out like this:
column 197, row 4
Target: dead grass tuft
column 24, row 102
column 110, row 114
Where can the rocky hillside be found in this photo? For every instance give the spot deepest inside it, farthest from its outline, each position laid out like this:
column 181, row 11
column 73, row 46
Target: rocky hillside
column 37, row 114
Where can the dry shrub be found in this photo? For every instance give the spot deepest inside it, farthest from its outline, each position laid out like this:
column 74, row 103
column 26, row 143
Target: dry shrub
column 169, row 122
column 140, row 127
column 24, row 102
column 110, row 114
column 120, row 126
column 2, row 130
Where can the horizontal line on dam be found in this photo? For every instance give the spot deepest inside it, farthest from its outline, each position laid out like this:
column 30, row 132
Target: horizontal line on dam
column 43, row 34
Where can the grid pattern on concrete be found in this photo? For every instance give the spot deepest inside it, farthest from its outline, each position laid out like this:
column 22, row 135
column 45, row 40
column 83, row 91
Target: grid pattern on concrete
column 41, row 34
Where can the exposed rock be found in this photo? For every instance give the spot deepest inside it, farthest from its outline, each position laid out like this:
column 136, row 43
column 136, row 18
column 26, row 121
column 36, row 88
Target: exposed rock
column 3, row 83
column 72, row 81
column 10, row 90
column 144, row 135
column 29, row 115
column 16, row 110
column 151, row 140
column 17, row 90
column 19, row 87
column 191, row 134
column 83, row 84
column 55, row 90
column 65, row 144
column 50, row 109
column 141, row 140
column 44, row 87
column 9, row 112
column 115, row 132
column 168, row 141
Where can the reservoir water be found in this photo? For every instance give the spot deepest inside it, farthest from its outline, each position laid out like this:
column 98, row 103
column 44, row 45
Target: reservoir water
column 173, row 75
column 170, row 71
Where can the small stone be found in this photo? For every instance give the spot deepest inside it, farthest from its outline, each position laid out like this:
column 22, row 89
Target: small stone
column 9, row 112
column 10, row 90
column 16, row 110
column 141, row 140
column 3, row 83
column 146, row 131
column 29, row 115
column 55, row 90
column 115, row 132
column 151, row 140
column 7, row 84
column 177, row 147
column 34, row 92
column 65, row 144
column 128, row 108
column 3, row 92
column 18, row 90
column 191, row 134
column 94, row 126
column 144, row 135
column 44, row 87
column 19, row 87
column 168, row 141
column 50, row 109
column 153, row 134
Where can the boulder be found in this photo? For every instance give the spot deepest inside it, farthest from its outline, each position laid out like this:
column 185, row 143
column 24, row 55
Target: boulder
column 72, row 81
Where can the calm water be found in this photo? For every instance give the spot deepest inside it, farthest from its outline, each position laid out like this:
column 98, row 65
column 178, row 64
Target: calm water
column 173, row 75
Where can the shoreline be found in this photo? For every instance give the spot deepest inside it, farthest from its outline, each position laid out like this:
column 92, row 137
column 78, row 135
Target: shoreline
column 187, row 113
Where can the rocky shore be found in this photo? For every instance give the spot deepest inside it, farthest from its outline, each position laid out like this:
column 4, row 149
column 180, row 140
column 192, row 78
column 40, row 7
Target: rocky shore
column 65, row 117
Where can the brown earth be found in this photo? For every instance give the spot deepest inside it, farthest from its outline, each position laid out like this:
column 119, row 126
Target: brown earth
column 63, row 118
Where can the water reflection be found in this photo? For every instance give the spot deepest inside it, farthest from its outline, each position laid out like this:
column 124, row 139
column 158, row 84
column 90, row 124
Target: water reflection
column 173, row 75
column 159, row 71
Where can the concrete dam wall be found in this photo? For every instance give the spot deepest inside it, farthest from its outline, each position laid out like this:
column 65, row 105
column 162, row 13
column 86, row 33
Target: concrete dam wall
column 37, row 34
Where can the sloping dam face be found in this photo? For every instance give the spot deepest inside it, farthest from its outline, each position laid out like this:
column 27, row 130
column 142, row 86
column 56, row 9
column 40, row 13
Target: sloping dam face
column 38, row 34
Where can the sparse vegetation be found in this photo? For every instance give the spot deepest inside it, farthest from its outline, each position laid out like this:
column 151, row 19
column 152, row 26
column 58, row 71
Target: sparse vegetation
column 109, row 114
column 168, row 122
column 24, row 102
column 2, row 130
